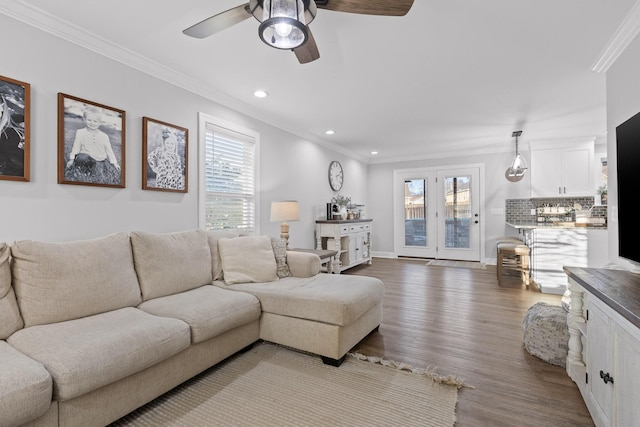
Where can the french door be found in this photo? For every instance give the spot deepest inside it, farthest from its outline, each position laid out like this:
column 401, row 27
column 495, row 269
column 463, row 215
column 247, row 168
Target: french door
column 437, row 213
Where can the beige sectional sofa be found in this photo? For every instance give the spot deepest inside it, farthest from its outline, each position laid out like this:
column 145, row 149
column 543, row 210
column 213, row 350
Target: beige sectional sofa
column 91, row 330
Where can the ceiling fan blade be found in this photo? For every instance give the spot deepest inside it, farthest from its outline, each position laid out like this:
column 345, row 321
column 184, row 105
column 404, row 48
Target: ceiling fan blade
column 219, row 22
column 368, row 7
column 308, row 52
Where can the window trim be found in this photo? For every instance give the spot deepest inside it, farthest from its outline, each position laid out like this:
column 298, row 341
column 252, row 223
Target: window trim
column 203, row 121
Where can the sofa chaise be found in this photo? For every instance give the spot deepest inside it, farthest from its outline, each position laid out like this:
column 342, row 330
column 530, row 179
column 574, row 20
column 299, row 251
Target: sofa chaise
column 91, row 330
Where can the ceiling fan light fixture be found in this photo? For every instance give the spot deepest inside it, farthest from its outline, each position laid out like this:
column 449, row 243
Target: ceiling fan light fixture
column 283, row 22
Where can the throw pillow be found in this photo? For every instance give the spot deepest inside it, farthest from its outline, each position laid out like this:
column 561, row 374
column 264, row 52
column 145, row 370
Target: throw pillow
column 280, row 252
column 216, row 263
column 247, row 259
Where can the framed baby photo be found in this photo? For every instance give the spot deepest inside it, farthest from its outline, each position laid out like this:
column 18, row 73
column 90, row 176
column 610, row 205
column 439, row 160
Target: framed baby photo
column 15, row 141
column 165, row 156
column 91, row 143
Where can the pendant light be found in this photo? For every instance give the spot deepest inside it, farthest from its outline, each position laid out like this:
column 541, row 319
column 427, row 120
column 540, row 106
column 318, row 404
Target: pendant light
column 283, row 23
column 518, row 167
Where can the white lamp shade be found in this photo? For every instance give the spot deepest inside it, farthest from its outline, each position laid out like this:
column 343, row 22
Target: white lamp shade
column 286, row 210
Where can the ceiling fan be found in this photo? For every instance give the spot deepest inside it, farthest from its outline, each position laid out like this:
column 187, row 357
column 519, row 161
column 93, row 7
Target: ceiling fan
column 284, row 24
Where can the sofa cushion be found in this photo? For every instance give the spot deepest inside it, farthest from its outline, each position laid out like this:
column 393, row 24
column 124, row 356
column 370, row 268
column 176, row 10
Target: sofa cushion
column 10, row 320
column 168, row 263
column 25, row 387
column 329, row 298
column 247, row 259
column 216, row 262
column 85, row 354
column 55, row 282
column 208, row 310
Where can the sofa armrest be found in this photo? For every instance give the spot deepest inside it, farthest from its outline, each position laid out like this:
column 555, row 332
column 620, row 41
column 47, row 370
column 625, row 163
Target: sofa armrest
column 303, row 264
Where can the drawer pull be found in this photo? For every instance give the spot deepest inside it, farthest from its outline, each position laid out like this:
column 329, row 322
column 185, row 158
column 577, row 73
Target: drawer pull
column 606, row 377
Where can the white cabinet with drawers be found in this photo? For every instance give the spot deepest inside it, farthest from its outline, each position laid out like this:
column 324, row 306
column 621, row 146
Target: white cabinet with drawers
column 351, row 238
column 604, row 343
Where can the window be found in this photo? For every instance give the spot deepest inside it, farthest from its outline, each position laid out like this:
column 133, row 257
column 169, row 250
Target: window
column 228, row 176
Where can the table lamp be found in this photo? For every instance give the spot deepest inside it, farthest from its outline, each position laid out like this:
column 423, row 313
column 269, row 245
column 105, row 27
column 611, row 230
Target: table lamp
column 284, row 211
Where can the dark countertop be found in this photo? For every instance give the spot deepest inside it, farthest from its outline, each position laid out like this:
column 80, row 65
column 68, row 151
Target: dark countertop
column 619, row 289
column 342, row 221
column 554, row 225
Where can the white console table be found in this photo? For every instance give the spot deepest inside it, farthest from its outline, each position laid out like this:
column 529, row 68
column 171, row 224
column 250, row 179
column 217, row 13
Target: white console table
column 351, row 238
column 604, row 343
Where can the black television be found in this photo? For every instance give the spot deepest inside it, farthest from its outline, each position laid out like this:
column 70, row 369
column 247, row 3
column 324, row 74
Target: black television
column 628, row 161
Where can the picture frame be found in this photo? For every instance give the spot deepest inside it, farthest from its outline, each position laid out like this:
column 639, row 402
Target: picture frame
column 165, row 156
column 91, row 143
column 15, row 130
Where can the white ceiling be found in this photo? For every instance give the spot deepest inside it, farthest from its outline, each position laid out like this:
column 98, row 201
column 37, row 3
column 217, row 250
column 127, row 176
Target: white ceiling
column 450, row 76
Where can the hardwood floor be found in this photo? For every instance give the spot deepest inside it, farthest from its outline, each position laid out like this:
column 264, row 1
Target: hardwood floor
column 461, row 322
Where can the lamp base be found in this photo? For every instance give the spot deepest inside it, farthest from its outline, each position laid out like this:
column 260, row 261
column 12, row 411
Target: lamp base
column 284, row 232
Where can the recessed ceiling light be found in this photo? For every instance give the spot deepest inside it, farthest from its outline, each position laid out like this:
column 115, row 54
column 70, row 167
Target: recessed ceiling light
column 330, row 132
column 374, row 153
column 260, row 93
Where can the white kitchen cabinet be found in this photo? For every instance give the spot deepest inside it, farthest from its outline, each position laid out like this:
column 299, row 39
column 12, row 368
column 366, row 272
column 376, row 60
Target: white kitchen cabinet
column 351, row 238
column 604, row 346
column 564, row 171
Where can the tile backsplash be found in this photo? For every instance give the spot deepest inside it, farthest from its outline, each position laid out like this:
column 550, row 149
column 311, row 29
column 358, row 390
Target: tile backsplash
column 519, row 210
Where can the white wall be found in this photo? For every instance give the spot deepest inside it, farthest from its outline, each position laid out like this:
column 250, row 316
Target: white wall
column 495, row 188
column 623, row 102
column 291, row 167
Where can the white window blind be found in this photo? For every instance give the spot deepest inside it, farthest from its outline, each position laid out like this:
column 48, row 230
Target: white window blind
column 229, row 180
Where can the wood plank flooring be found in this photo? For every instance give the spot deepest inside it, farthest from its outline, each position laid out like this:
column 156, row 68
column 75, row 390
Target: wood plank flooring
column 461, row 322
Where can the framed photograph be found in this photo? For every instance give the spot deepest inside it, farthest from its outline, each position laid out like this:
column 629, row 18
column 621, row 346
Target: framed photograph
column 91, row 143
column 165, row 149
column 15, row 125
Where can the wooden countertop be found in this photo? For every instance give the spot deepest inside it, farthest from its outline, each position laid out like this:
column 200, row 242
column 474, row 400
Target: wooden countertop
column 619, row 289
column 322, row 253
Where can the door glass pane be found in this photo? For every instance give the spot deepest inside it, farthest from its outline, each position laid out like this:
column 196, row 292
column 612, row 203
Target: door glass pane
column 457, row 205
column 415, row 221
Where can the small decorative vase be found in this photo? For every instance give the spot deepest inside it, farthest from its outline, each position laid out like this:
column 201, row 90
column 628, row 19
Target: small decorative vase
column 343, row 212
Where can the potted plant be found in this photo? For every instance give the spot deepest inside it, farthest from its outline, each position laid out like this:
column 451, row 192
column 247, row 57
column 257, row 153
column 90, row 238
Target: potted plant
column 602, row 191
column 341, row 202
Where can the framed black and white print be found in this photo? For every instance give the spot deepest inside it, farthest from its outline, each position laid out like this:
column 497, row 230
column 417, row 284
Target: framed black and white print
column 15, row 141
column 91, row 143
column 165, row 149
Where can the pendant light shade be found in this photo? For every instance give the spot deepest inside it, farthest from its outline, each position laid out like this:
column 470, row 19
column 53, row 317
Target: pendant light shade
column 518, row 167
column 283, row 22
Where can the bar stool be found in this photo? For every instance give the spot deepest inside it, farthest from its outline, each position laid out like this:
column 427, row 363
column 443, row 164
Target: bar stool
column 514, row 256
column 505, row 239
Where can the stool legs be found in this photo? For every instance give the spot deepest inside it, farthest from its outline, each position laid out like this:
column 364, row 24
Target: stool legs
column 515, row 257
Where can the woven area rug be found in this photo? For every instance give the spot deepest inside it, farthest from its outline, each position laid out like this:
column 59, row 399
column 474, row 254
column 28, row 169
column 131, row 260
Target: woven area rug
column 274, row 386
column 460, row 264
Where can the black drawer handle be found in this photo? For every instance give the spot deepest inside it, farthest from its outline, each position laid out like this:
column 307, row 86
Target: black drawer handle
column 606, row 377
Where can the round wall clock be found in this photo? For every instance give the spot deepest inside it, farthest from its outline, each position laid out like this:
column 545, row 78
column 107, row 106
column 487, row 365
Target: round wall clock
column 336, row 177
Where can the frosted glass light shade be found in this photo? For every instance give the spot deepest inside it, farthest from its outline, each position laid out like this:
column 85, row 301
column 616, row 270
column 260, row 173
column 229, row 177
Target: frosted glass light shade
column 283, row 24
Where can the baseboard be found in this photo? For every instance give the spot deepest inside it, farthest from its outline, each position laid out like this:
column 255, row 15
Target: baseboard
column 376, row 254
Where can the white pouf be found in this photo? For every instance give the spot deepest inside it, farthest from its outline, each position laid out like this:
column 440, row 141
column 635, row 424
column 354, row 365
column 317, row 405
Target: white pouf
column 545, row 333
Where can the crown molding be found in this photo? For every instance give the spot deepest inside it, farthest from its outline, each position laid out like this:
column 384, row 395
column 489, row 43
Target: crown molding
column 44, row 21
column 624, row 35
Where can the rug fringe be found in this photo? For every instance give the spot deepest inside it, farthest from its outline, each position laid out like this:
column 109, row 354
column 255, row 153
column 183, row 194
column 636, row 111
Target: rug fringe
column 429, row 372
